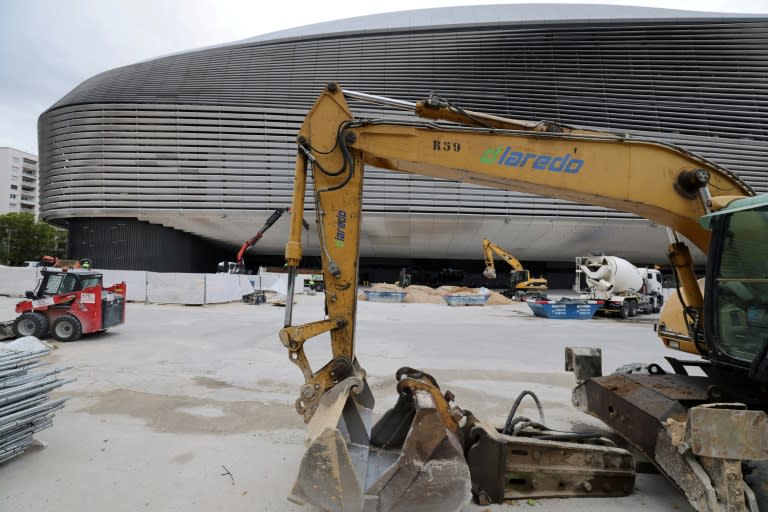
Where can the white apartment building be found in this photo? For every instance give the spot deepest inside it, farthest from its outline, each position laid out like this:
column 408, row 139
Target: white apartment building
column 19, row 184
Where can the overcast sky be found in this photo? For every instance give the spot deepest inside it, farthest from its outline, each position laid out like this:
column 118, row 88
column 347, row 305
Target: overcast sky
column 48, row 47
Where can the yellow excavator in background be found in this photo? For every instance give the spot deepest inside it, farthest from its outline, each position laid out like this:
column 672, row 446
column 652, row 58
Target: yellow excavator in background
column 426, row 453
column 520, row 283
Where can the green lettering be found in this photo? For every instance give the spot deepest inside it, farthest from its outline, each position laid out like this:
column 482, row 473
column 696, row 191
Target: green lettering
column 490, row 155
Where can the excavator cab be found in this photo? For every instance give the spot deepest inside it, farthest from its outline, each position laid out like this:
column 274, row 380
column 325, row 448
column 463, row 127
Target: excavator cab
column 517, row 277
column 737, row 325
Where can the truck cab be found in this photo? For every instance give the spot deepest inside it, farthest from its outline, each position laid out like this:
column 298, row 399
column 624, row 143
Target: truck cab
column 625, row 289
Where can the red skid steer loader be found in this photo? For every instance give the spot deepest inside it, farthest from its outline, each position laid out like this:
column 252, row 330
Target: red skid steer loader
column 68, row 304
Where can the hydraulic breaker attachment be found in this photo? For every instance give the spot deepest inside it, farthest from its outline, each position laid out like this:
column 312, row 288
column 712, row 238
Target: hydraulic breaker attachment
column 676, row 422
column 506, row 467
column 411, row 460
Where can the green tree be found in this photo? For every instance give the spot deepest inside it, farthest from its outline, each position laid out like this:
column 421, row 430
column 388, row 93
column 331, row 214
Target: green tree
column 22, row 239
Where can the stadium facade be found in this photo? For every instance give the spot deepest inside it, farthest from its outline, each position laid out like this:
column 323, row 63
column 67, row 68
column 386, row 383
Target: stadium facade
column 171, row 163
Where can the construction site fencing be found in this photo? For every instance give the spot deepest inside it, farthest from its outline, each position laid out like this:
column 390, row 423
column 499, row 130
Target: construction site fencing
column 163, row 287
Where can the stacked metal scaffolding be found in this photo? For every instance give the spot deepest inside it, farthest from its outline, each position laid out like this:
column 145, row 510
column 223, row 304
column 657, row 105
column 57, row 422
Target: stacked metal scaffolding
column 25, row 407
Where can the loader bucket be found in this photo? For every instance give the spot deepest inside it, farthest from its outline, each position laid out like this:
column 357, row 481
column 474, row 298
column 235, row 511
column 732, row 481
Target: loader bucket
column 411, row 460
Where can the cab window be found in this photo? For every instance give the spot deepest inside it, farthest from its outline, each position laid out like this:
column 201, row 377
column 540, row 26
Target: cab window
column 742, row 284
column 60, row 283
column 89, row 281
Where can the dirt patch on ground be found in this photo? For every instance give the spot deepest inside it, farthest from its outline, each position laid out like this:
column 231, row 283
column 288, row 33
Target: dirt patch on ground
column 184, row 458
column 182, row 414
column 211, row 383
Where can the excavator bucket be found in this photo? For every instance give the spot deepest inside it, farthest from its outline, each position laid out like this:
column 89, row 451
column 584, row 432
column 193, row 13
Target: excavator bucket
column 411, row 460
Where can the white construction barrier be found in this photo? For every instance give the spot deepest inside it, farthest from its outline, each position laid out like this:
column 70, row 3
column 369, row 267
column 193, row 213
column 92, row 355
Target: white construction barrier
column 176, row 288
column 135, row 282
column 277, row 282
column 246, row 286
column 163, row 287
column 225, row 288
column 15, row 281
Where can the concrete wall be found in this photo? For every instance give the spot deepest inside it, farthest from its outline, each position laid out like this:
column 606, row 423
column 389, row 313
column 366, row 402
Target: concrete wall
column 166, row 287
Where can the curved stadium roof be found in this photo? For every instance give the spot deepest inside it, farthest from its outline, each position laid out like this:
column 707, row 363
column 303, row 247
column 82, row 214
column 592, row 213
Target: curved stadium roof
column 203, row 141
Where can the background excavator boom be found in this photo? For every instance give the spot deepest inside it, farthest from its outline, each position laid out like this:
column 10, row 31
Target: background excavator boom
column 520, row 281
column 489, row 248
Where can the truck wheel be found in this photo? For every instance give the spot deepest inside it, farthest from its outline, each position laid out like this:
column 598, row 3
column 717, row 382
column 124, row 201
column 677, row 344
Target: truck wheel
column 632, row 308
column 31, row 323
column 319, row 287
column 657, row 302
column 624, row 311
column 67, row 328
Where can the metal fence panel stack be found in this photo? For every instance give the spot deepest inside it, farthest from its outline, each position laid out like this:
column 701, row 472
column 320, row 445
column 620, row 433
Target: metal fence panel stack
column 25, row 407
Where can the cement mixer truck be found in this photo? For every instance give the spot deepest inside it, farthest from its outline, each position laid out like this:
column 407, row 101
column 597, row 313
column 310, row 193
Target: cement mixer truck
column 624, row 289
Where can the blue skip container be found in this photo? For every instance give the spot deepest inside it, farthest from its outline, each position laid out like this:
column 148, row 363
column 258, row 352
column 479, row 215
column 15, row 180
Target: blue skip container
column 465, row 299
column 384, row 296
column 565, row 309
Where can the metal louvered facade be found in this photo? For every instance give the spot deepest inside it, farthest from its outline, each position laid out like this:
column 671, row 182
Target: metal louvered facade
column 203, row 141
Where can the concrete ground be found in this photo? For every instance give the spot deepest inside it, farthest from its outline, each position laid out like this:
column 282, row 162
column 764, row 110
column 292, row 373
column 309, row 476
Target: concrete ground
column 191, row 408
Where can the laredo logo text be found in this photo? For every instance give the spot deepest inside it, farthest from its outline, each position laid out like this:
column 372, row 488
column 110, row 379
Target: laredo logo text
column 341, row 225
column 507, row 157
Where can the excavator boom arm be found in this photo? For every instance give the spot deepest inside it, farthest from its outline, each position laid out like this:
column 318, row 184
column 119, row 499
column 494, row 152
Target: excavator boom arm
column 489, row 248
column 653, row 181
column 268, row 224
column 662, row 183
column 659, row 182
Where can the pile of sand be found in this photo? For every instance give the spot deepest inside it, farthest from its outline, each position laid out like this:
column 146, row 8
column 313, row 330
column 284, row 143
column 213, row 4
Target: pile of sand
column 418, row 294
column 386, row 287
column 497, row 299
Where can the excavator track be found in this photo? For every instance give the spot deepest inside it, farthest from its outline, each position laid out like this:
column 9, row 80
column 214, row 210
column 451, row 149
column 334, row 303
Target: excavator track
column 694, row 432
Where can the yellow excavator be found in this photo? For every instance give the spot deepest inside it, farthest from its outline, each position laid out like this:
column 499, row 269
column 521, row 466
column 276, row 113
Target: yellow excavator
column 426, row 453
column 520, row 283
